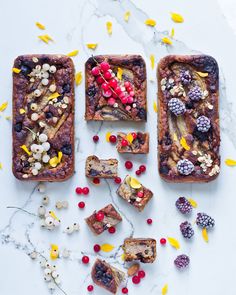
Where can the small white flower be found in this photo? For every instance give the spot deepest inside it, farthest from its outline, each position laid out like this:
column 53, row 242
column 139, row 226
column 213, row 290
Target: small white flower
column 43, row 137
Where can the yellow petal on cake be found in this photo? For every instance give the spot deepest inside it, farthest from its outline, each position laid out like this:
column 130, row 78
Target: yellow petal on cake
column 130, row 137
column 134, row 183
column 25, row 149
column 16, row 71
column 119, row 73
column 184, row 144
column 202, row 74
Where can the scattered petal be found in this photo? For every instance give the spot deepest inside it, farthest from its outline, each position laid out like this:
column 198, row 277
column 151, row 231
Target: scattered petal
column 127, row 16
column 230, row 162
column 54, row 95
column 166, row 40
column 22, row 111
column 0, row 166
column 130, row 137
column 108, row 134
column 193, row 202
column 205, row 234
column 164, row 290
column 52, row 213
column 48, row 37
column 16, row 71
column 174, row 243
column 134, row 183
column 8, row 117
column 177, row 18
column 152, row 59
column 107, row 247
column 78, row 78
column 54, row 252
column 155, row 106
column 203, row 75
column 119, row 73
column 172, row 33
column 123, row 257
column 92, row 45
column 184, row 144
column 150, row 22
column 109, row 28
column 55, row 160
column 73, row 53
column 45, row 38
column 24, row 148
column 3, row 106
column 40, row 26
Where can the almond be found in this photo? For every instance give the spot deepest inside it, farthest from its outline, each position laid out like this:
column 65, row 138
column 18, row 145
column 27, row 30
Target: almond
column 133, row 269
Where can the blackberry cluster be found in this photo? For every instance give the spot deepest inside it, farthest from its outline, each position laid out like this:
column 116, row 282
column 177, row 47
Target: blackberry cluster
column 195, row 93
column 182, row 261
column 185, row 167
column 176, row 106
column 183, row 205
column 203, row 124
column 186, row 230
column 185, row 77
column 102, row 275
column 204, row 220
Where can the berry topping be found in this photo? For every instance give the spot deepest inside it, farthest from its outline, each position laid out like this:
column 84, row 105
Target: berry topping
column 81, row 205
column 204, row 220
column 185, row 167
column 183, row 205
column 112, row 230
column 111, row 101
column 78, row 190
column 127, row 84
column 195, row 93
column 134, row 135
column 107, row 75
column 100, row 80
column 90, row 288
column 186, row 230
column 107, row 93
column 182, row 261
column 176, row 106
column 85, row 259
column 99, row 216
column 142, row 168
column 124, row 142
column 140, row 194
column 203, row 124
column 104, row 66
column 95, row 71
column 118, row 90
column 141, row 274
column 113, row 83
column 96, row 180
column 128, row 165
column 105, row 86
column 136, row 280
column 112, row 138
column 95, row 138
column 125, row 290
column 163, row 241
column 96, row 248
column 185, row 77
column 85, row 190
column 138, row 172
column 117, row 180
column 149, row 221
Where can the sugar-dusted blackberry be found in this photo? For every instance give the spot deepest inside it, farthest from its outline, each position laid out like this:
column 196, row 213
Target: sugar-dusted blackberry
column 185, row 77
column 182, row 261
column 195, row 93
column 176, row 106
column 203, row 124
column 186, row 230
column 205, row 221
column 183, row 205
column 185, row 167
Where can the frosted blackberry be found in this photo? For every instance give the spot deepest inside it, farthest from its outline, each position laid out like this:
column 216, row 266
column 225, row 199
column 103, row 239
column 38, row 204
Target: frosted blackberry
column 203, row 124
column 185, row 167
column 182, row 261
column 195, row 93
column 183, row 205
column 176, row 106
column 185, row 77
column 186, row 230
column 204, row 220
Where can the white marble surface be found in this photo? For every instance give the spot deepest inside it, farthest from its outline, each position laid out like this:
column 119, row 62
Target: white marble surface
column 209, row 27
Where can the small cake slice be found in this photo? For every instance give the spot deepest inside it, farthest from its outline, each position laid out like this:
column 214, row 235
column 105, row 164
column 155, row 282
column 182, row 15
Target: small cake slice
column 134, row 192
column 107, row 276
column 103, row 219
column 143, row 250
column 135, row 143
column 96, row 167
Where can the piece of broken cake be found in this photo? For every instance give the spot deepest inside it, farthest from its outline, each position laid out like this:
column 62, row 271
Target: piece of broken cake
column 99, row 168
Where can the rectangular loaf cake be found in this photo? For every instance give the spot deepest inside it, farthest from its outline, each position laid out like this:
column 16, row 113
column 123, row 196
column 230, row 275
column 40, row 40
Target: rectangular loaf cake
column 116, row 88
column 189, row 133
column 43, row 117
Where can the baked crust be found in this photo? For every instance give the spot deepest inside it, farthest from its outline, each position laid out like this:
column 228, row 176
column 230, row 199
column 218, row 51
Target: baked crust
column 54, row 120
column 95, row 167
column 134, row 71
column 202, row 147
column 139, row 145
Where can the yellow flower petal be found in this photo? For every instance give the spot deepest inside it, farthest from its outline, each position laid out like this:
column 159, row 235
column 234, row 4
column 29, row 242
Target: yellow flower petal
column 175, row 137
column 40, row 26
column 8, row 117
column 22, row 111
column 134, row 183
column 150, row 22
column 73, row 53
column 155, row 106
column 172, row 33
column 164, row 290
column 184, row 144
column 119, row 73
column 0, row 166
column 52, row 213
column 205, row 234
column 92, row 45
column 107, row 247
column 177, row 18
column 43, row 38
column 48, row 37
column 109, row 27
column 78, row 78
column 193, row 202
column 16, row 71
column 108, row 134
column 203, row 75
column 24, row 148
column 166, row 40
column 3, row 106
column 130, row 137
column 54, row 95
column 174, row 243
column 54, row 252
column 59, row 156
column 127, row 16
column 55, row 160
column 230, row 162
column 152, row 59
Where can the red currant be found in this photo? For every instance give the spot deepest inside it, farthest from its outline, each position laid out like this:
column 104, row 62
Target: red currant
column 163, row 241
column 111, row 101
column 96, row 180
column 112, row 230
column 112, row 138
column 104, row 66
column 85, row 259
column 81, row 205
column 117, row 180
column 121, row 95
column 79, row 190
column 105, row 86
column 96, row 248
column 90, row 288
column 131, row 93
column 136, row 280
column 107, row 93
column 99, row 216
column 124, row 100
column 95, row 138
column 142, row 168
column 130, row 88
column 134, row 135
column 128, row 165
column 138, row 172
column 107, row 75
column 118, row 90
column 127, row 84
column 130, row 99
column 125, row 290
column 141, row 274
column 113, row 83
column 149, row 221
column 140, row 194
column 124, row 142
column 85, row 190
column 100, row 80
column 95, row 71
